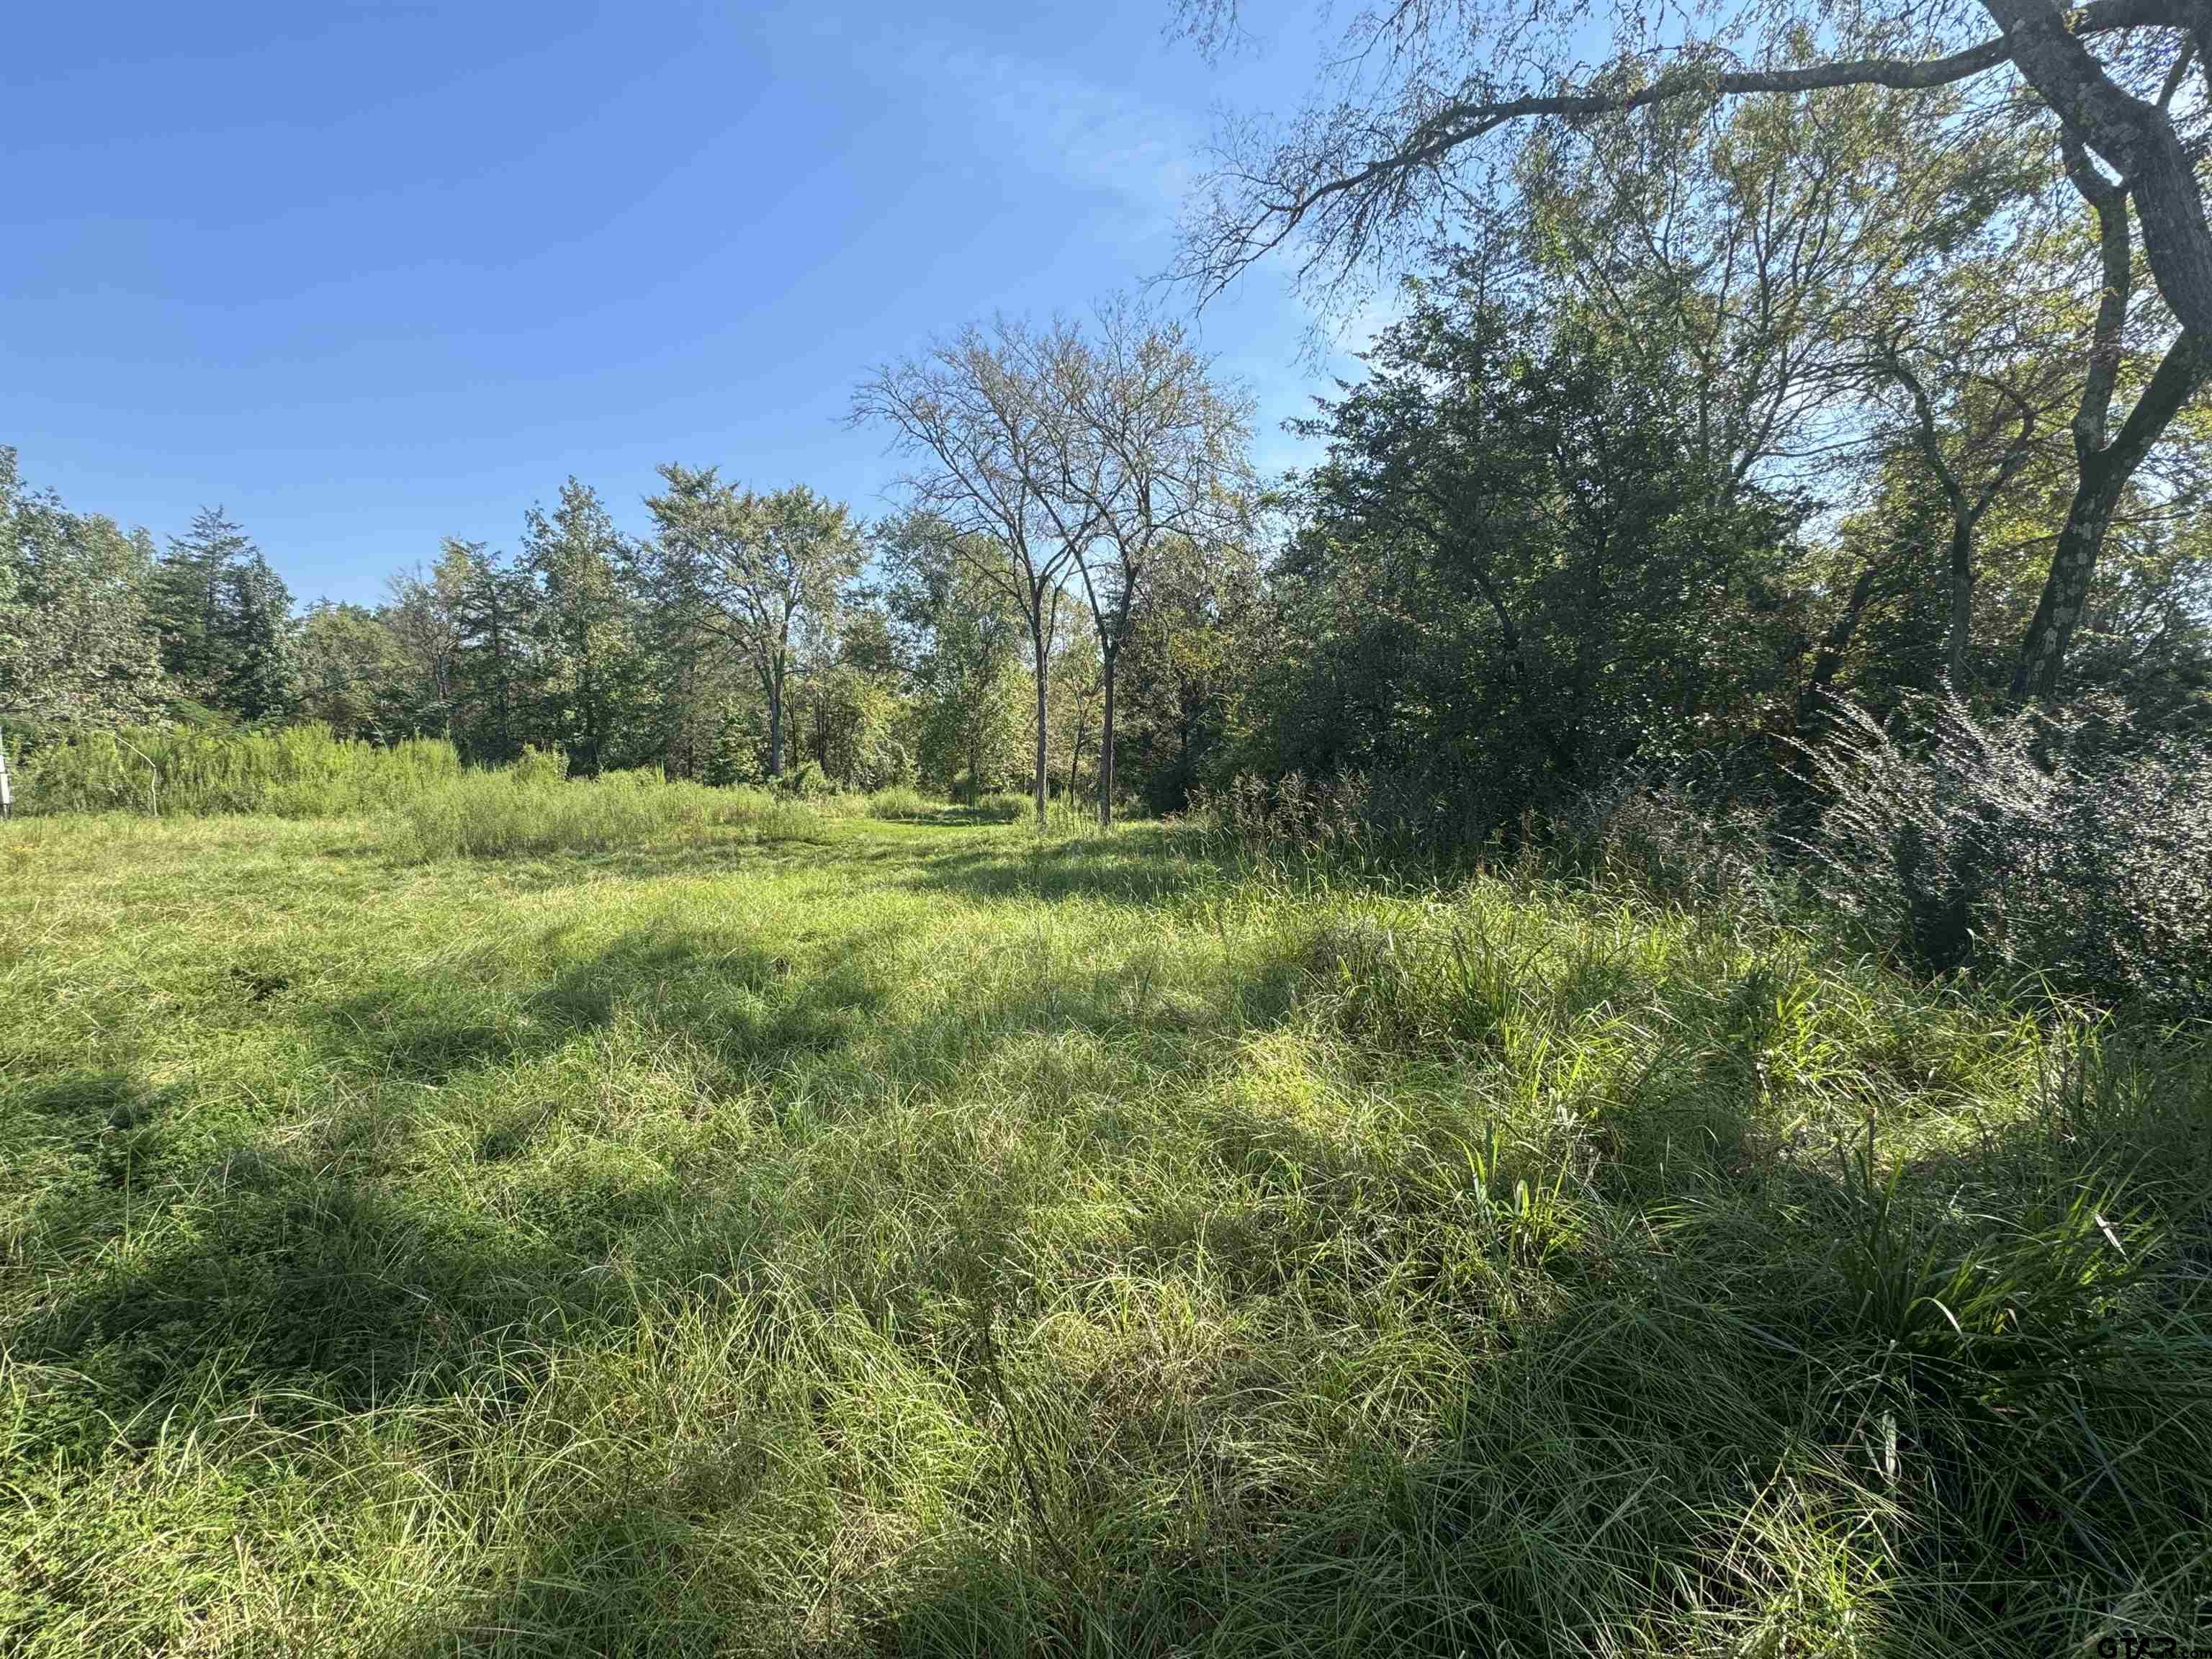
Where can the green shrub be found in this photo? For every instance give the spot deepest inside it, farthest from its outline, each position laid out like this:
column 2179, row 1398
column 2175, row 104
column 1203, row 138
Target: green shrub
column 539, row 765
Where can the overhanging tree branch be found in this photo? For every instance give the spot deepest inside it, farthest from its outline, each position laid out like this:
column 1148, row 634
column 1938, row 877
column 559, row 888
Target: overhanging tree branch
column 1325, row 186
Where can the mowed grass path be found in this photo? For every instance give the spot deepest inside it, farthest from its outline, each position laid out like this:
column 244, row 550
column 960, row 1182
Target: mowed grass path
column 929, row 1238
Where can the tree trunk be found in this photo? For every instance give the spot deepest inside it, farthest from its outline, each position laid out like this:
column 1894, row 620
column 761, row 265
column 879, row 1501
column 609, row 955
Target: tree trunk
column 775, row 730
column 1811, row 710
column 1037, row 638
column 2102, row 481
column 2138, row 139
column 1075, row 757
column 1962, row 602
column 2066, row 588
column 1106, row 743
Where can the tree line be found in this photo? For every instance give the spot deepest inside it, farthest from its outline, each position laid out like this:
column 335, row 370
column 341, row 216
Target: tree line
column 1004, row 629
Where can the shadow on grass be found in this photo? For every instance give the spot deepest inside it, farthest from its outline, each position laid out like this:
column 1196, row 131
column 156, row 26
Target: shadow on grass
column 309, row 1265
column 1654, row 1414
column 1668, row 1437
column 1689, row 1432
column 1141, row 867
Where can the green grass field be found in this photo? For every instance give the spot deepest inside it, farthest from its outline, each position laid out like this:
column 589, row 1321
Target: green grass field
column 833, row 1234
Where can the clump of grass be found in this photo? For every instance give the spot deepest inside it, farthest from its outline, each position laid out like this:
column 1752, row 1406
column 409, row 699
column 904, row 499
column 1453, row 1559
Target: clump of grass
column 900, row 803
column 490, row 814
column 1004, row 806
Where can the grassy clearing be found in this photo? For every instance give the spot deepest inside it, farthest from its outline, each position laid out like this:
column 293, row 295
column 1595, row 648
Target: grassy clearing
column 931, row 1238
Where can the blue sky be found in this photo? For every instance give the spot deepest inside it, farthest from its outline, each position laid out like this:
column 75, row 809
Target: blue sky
column 368, row 275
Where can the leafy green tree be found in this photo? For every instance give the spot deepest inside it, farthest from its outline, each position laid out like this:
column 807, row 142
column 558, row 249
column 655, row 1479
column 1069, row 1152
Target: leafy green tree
column 421, row 612
column 225, row 618
column 763, row 573
column 465, row 626
column 959, row 638
column 1439, row 112
column 497, row 610
column 356, row 677
column 735, row 757
column 580, row 631
column 77, row 642
column 1193, row 641
column 849, row 720
column 1520, row 576
column 253, row 640
column 1078, row 693
column 187, row 599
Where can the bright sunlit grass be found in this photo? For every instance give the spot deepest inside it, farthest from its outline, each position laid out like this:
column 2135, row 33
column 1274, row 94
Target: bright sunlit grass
column 711, row 1223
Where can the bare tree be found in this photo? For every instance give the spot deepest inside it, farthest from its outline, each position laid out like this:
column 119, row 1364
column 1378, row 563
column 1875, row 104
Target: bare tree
column 1146, row 453
column 967, row 411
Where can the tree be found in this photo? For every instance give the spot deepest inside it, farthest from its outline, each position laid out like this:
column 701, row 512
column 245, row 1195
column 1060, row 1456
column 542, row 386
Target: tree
column 355, row 676
column 581, row 632
column 1079, row 683
column 1439, row 90
column 850, row 717
column 764, row 573
column 77, row 642
column 958, row 636
column 464, row 626
column 1145, row 454
column 1194, row 643
column 1748, row 249
column 225, row 621
column 421, row 613
column 1976, row 405
column 2107, row 460
column 1519, row 575
column 253, row 638
column 498, row 612
column 968, row 412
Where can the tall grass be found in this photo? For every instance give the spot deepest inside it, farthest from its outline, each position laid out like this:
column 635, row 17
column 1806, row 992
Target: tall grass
column 299, row 772
column 969, row 1241
column 482, row 814
column 1003, row 807
column 900, row 802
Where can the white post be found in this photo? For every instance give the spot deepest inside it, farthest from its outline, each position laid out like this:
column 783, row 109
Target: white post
column 7, row 800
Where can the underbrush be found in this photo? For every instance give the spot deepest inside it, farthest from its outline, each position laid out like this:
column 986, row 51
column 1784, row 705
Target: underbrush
column 2064, row 849
column 1004, row 806
column 2065, row 844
